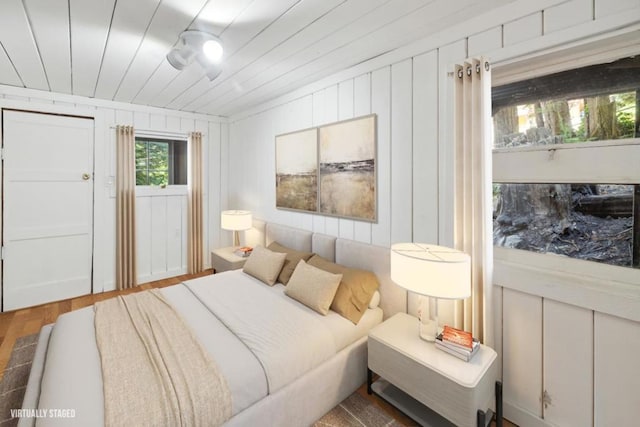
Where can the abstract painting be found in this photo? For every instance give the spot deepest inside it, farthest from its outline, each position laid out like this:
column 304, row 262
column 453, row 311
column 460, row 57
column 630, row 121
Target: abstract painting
column 347, row 156
column 297, row 170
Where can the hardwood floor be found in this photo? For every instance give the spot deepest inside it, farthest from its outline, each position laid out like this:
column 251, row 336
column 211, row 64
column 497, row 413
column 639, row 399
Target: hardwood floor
column 27, row 321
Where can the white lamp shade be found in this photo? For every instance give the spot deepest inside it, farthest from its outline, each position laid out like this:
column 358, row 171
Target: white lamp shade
column 434, row 271
column 236, row 220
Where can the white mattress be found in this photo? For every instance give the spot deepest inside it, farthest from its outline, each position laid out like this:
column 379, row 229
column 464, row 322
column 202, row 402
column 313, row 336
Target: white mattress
column 264, row 361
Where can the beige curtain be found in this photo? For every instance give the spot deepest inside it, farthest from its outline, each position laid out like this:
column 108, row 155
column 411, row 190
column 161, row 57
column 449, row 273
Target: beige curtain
column 194, row 254
column 473, row 196
column 126, row 275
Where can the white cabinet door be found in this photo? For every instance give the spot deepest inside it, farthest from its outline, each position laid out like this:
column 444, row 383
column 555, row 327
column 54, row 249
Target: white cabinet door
column 617, row 371
column 47, row 207
column 568, row 364
column 522, row 351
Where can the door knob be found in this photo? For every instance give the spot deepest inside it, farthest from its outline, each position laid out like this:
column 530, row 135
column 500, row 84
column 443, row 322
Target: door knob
column 86, row 176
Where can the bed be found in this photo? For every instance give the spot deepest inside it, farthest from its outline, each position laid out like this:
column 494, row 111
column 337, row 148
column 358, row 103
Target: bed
column 283, row 363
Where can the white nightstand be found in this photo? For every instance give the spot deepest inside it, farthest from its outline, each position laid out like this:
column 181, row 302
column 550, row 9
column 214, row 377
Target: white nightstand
column 414, row 373
column 224, row 259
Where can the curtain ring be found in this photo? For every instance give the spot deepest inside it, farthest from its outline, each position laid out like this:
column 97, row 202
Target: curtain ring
column 477, row 68
column 468, row 71
column 460, row 73
column 486, row 65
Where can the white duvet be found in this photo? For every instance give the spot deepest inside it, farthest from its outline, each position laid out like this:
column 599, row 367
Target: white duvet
column 260, row 339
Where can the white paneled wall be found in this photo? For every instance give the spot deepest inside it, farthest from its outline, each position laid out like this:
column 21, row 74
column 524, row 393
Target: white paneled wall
column 586, row 361
column 161, row 215
column 406, row 184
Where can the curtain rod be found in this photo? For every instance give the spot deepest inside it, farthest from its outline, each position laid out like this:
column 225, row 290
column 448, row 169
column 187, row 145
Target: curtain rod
column 159, row 133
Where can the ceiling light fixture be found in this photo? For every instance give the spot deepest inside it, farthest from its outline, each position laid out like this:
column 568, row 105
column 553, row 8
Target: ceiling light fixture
column 203, row 47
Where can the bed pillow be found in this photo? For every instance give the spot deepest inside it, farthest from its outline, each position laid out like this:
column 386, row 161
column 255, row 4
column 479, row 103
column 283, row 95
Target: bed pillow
column 355, row 291
column 313, row 287
column 375, row 300
column 291, row 261
column 264, row 265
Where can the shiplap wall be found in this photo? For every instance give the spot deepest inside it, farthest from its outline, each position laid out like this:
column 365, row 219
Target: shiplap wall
column 161, row 216
column 582, row 358
column 405, row 209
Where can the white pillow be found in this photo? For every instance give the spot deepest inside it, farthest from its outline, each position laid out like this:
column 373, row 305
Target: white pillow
column 264, row 265
column 313, row 287
column 375, row 300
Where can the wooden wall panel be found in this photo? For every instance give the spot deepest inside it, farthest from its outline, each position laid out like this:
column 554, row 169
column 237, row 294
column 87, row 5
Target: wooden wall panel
column 381, row 105
column 362, row 107
column 485, row 41
column 568, row 14
column 522, row 355
column 401, row 151
column 159, row 230
column 604, row 8
column 616, row 371
column 174, row 231
column 522, row 29
column 425, row 148
column 568, row 364
column 346, row 111
column 447, row 56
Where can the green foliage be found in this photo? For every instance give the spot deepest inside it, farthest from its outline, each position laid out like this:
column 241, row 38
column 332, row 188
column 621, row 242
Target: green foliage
column 152, row 163
column 626, row 114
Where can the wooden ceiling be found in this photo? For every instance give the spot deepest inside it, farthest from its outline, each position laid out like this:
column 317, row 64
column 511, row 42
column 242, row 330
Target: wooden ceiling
column 115, row 49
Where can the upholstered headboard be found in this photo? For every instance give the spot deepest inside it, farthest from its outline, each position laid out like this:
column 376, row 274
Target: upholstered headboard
column 290, row 237
column 346, row 252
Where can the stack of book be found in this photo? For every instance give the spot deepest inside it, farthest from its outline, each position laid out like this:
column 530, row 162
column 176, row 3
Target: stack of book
column 458, row 343
column 244, row 251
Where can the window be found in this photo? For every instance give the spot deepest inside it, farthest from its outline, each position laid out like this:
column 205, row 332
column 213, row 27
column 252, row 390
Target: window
column 161, row 162
column 566, row 155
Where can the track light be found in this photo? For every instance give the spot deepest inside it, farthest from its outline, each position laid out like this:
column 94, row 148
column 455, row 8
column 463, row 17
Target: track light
column 200, row 46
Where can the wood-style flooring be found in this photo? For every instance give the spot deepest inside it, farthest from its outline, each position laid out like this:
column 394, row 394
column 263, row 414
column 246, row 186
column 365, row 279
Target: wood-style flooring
column 27, row 321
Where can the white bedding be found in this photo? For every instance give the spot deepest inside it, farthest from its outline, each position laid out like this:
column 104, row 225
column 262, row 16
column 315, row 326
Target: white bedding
column 280, row 341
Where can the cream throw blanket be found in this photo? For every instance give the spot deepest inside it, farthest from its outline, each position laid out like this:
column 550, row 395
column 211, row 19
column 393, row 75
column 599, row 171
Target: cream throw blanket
column 154, row 370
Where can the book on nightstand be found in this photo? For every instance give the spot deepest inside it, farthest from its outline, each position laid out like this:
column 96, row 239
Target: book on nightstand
column 457, row 343
column 244, row 251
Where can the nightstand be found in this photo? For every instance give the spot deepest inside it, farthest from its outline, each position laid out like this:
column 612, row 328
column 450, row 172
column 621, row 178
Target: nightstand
column 224, row 259
column 427, row 384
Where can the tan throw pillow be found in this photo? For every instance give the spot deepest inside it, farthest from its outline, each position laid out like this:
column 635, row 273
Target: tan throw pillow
column 264, row 264
column 290, row 262
column 313, row 287
column 355, row 291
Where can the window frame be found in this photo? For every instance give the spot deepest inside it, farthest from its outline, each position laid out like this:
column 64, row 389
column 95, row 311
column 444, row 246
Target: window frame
column 606, row 288
column 177, row 188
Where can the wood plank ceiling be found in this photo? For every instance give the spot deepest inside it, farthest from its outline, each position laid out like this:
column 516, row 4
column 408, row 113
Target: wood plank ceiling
column 116, row 49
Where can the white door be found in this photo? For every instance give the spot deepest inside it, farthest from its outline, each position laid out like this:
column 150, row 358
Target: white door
column 47, row 208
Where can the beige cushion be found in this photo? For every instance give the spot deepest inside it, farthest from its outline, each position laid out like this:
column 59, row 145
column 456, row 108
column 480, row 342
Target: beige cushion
column 264, row 264
column 375, row 300
column 290, row 263
column 313, row 287
column 355, row 291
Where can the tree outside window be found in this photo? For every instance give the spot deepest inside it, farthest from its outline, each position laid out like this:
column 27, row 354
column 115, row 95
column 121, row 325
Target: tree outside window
column 161, row 162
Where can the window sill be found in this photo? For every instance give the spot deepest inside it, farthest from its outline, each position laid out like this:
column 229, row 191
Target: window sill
column 156, row 191
column 604, row 288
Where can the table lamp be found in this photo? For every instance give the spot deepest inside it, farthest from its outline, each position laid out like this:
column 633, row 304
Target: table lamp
column 236, row 221
column 432, row 271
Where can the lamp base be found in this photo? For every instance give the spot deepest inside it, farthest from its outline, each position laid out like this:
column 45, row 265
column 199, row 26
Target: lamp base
column 427, row 327
column 236, row 238
column 428, row 330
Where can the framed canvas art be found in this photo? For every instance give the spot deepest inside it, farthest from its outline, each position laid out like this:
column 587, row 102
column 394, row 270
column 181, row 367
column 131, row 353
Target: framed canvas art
column 347, row 157
column 297, row 170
